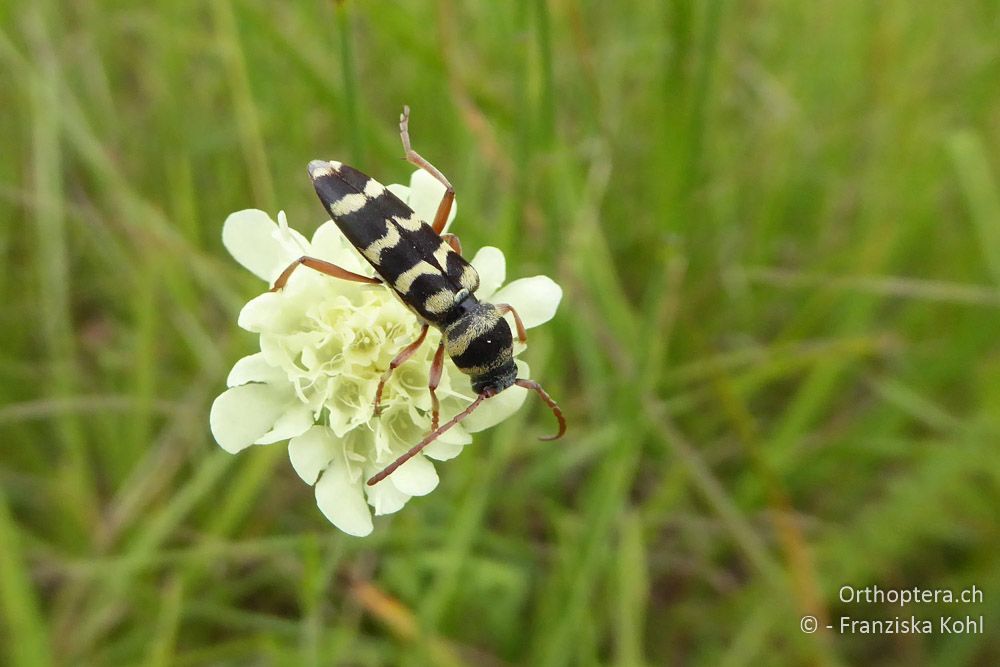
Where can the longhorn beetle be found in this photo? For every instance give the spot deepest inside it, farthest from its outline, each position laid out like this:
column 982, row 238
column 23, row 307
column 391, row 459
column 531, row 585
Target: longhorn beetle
column 426, row 270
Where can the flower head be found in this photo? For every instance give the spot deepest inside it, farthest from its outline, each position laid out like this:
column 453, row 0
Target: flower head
column 324, row 344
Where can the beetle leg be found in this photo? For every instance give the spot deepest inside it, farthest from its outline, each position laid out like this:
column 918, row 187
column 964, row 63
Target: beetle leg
column 505, row 308
column 435, row 379
column 413, row 157
column 398, row 361
column 323, row 267
column 453, row 241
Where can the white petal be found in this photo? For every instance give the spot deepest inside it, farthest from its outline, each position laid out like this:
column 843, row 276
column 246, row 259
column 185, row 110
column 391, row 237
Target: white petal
column 330, row 244
column 416, row 477
column 311, row 452
column 500, row 407
column 294, row 244
column 295, row 420
column 442, row 451
column 342, row 501
column 241, row 415
column 496, row 409
column 385, row 497
column 262, row 313
column 491, row 266
column 450, row 444
column 401, row 191
column 535, row 299
column 456, row 435
column 425, row 195
column 255, row 368
column 459, row 385
column 248, row 236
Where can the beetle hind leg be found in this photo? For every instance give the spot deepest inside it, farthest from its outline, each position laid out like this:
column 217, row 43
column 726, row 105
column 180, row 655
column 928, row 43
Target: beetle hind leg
column 413, row 157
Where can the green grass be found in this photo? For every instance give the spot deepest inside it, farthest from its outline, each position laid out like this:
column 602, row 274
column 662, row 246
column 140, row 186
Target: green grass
column 778, row 230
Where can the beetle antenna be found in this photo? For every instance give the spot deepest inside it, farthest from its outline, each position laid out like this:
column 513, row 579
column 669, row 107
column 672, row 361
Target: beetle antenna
column 531, row 384
column 431, row 437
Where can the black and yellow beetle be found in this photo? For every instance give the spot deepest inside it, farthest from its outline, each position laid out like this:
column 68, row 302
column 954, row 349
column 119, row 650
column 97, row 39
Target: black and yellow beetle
column 426, row 270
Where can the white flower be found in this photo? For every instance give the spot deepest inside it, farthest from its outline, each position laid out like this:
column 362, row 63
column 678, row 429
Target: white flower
column 324, row 344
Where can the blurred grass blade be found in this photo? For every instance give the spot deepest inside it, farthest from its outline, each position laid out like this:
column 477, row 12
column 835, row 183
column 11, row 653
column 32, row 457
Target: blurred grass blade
column 980, row 187
column 633, row 593
column 244, row 106
column 28, row 645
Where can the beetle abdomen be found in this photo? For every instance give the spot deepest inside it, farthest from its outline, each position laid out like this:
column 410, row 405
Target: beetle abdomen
column 425, row 272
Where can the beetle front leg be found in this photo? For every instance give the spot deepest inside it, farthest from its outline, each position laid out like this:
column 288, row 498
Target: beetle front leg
column 398, row 361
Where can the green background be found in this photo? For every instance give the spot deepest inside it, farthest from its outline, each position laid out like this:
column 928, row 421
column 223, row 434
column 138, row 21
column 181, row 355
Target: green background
column 777, row 225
